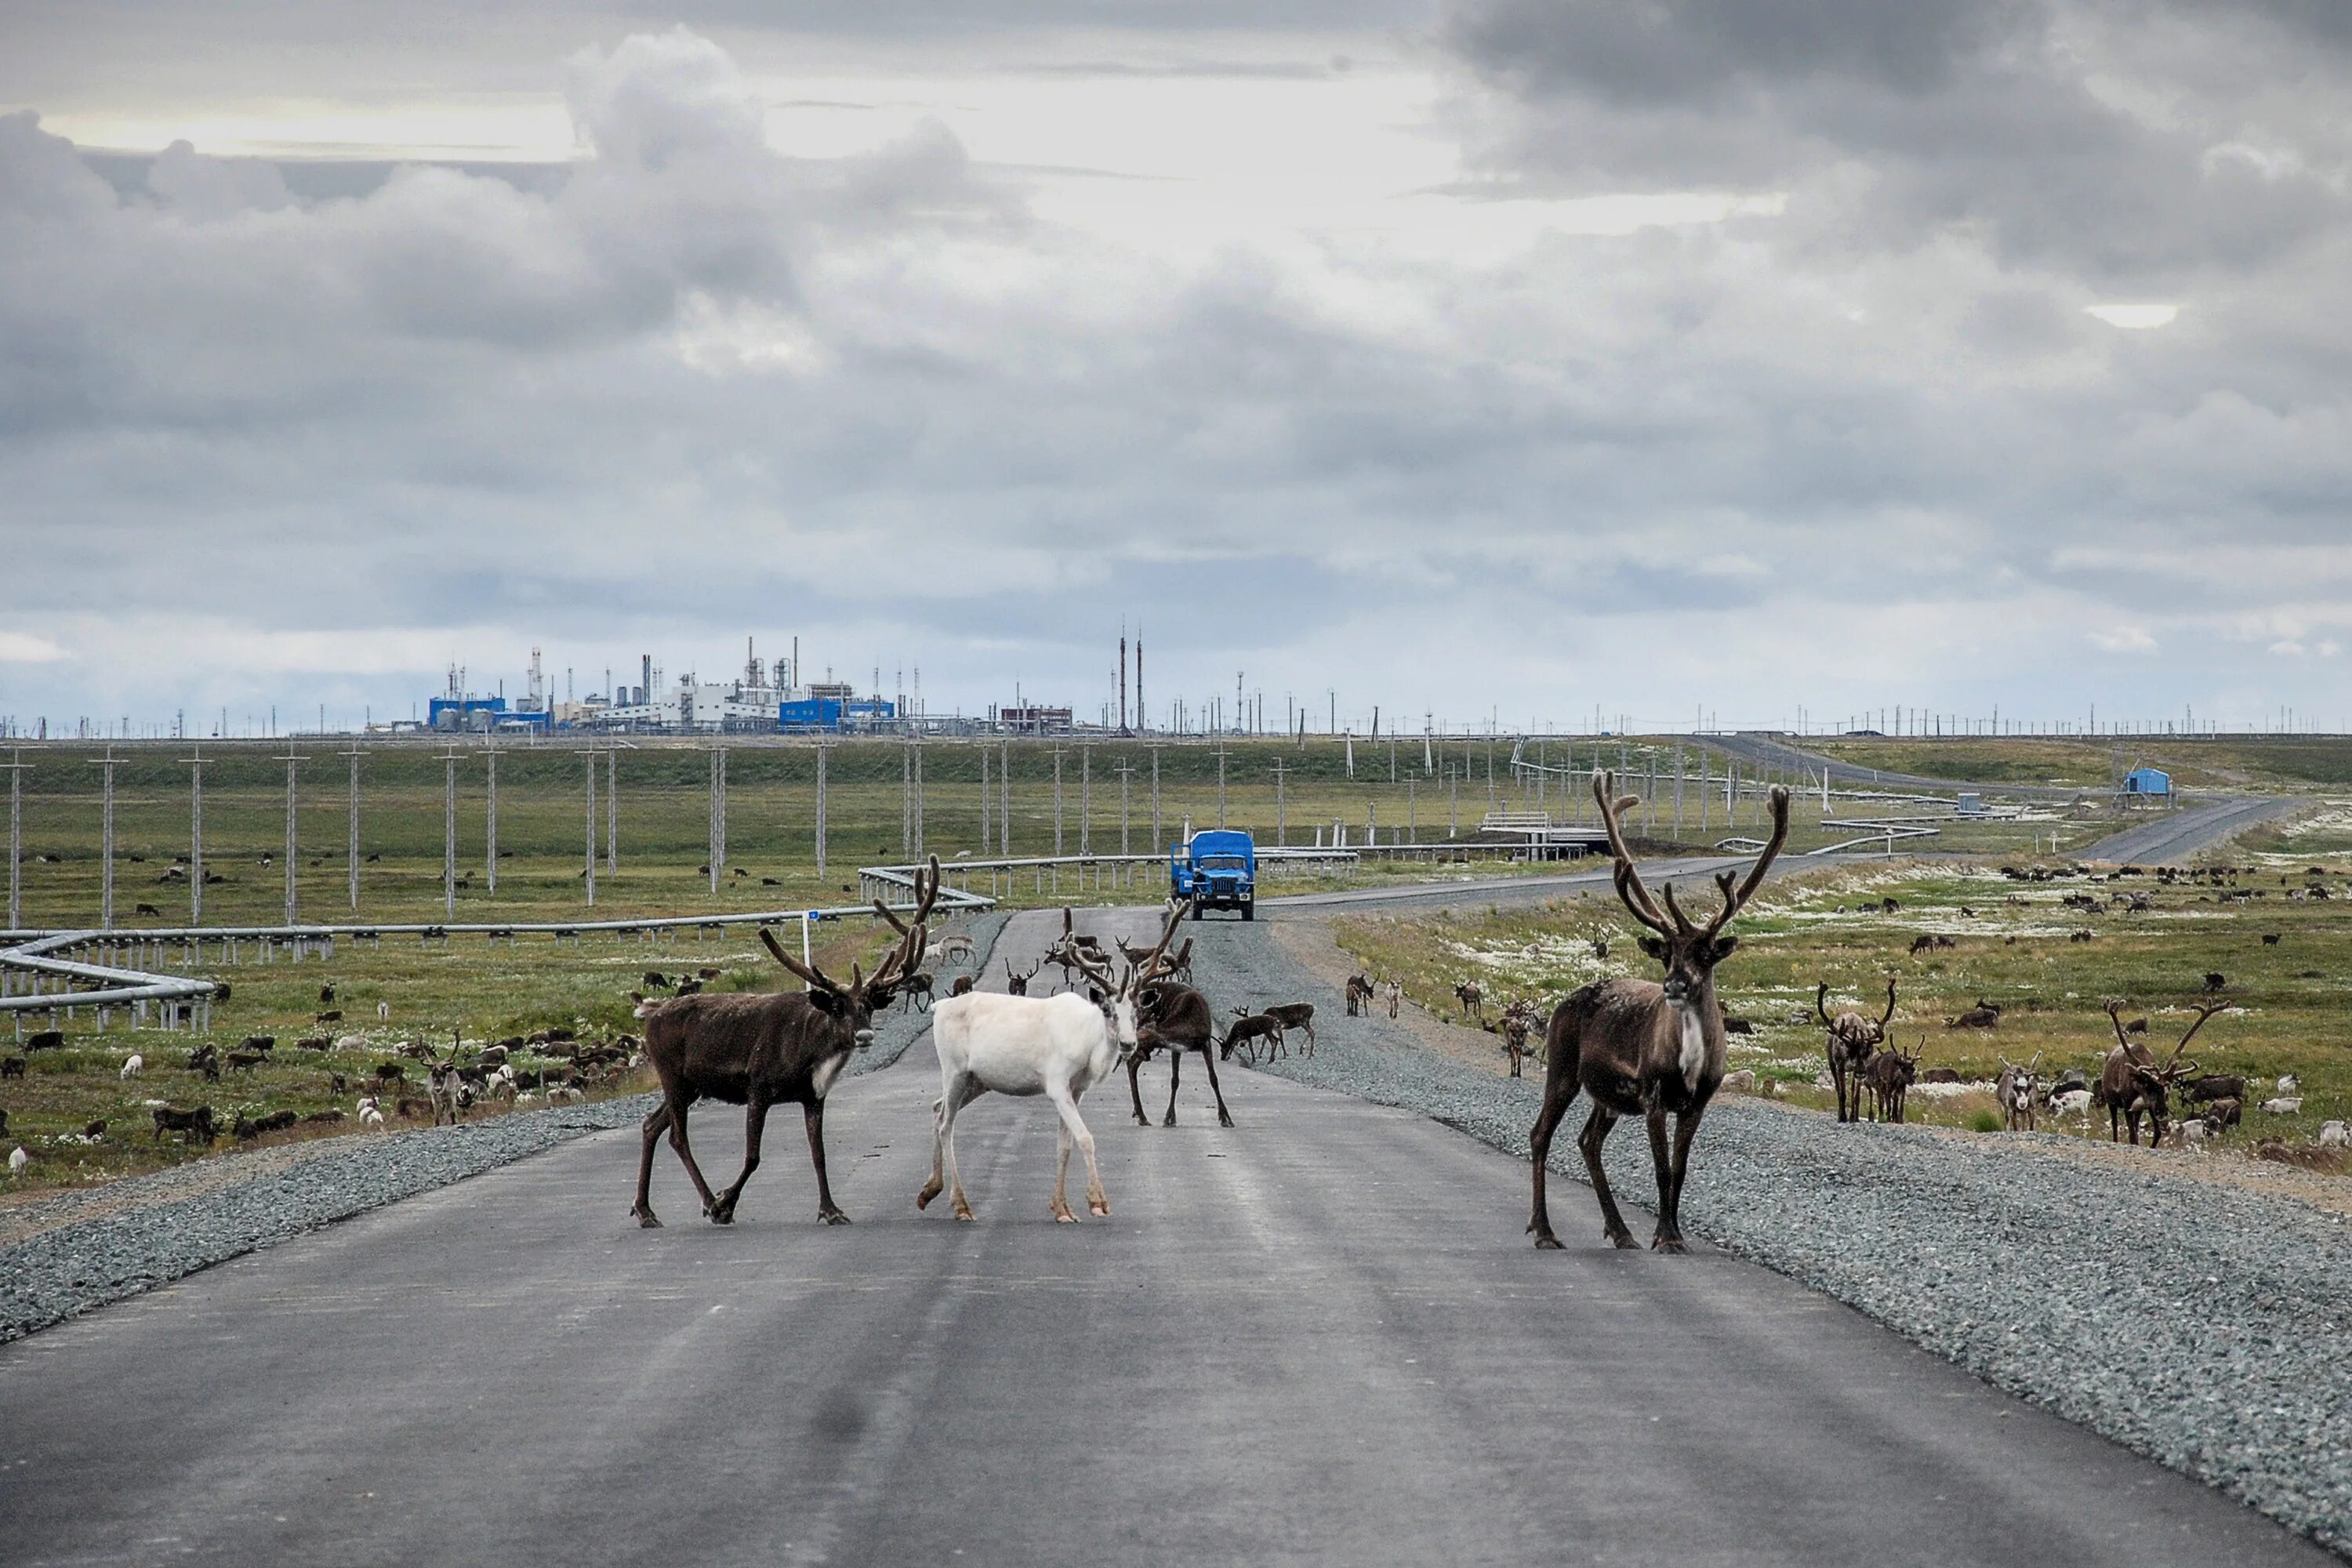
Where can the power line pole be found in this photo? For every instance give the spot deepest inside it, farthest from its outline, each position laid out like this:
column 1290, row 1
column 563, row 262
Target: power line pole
column 1085, row 799
column 1281, row 819
column 490, row 762
column 196, row 838
column 588, row 876
column 821, row 752
column 986, row 841
column 612, row 812
column 717, row 815
column 106, row 842
column 16, row 841
column 352, row 848
column 1126, row 770
column 292, row 760
column 1157, row 844
column 1004, row 780
column 449, row 834
column 1221, row 783
column 1057, row 802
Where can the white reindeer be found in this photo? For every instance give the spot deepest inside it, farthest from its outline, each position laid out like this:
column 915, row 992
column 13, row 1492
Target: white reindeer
column 134, row 1066
column 1058, row 1047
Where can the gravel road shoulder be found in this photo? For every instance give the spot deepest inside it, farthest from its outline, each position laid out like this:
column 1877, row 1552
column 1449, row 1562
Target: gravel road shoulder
column 70, row 1253
column 2198, row 1325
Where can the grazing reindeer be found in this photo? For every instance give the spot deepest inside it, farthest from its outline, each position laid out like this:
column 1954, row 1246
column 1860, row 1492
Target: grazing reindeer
column 1853, row 1039
column 1512, row 1030
column 757, row 1050
column 1246, row 1029
column 2015, row 1092
column 1641, row 1049
column 1018, row 984
column 2134, row 1084
column 1295, row 1015
column 1360, row 995
column 1889, row 1080
column 1471, row 998
column 1058, row 1047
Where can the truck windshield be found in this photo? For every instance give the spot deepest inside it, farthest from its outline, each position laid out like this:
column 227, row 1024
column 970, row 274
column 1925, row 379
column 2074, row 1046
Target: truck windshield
column 1222, row 863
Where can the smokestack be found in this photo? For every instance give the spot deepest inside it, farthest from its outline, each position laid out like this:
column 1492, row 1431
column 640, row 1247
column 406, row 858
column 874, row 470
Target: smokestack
column 646, row 680
column 1142, row 714
column 1122, row 681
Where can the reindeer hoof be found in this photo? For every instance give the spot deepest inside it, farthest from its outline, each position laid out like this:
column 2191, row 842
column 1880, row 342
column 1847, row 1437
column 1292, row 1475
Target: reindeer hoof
column 1101, row 1209
column 966, row 1214
column 1623, row 1239
column 646, row 1220
column 722, row 1216
column 833, row 1216
column 923, row 1199
column 1548, row 1242
column 1668, row 1244
column 1224, row 1120
column 1064, row 1216
column 1169, row 1120
column 1143, row 1120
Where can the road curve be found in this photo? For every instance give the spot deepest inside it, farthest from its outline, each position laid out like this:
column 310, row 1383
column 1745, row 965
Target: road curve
column 1320, row 1336
column 2174, row 835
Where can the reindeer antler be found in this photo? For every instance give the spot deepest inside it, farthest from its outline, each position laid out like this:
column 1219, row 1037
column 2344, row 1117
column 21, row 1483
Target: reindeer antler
column 1890, row 1003
column 1733, row 901
column 1630, row 887
column 815, row 978
column 902, row 960
column 1155, row 963
column 2203, row 1013
column 2115, row 1005
column 1820, row 1001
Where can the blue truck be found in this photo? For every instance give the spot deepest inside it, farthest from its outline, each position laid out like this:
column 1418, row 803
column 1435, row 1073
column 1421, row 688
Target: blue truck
column 1217, row 869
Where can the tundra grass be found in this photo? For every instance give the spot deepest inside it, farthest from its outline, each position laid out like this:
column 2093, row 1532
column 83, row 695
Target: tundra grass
column 480, row 989
column 2011, row 946
column 2286, row 763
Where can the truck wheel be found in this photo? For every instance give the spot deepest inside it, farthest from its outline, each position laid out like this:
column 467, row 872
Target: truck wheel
column 1249, row 911
column 1196, row 911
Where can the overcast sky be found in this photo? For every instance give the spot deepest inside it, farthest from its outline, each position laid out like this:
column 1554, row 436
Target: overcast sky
column 1544, row 358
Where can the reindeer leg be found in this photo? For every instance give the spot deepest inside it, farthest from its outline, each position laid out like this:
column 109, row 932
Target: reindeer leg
column 1596, row 1134
column 1209, row 1061
column 1686, row 1128
column 1560, row 1089
column 1060, row 1206
column 686, row 1153
column 657, row 1123
column 1662, row 1159
column 813, row 1114
column 1135, row 1088
column 1175, row 1072
column 755, row 1122
column 1067, row 1105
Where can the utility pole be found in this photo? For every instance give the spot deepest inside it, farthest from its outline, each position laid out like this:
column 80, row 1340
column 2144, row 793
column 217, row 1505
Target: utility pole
column 293, row 760
column 985, row 840
column 588, row 874
column 196, row 840
column 717, row 815
column 918, row 786
column 1412, row 812
column 1126, row 770
column 1452, row 802
column 16, row 843
column 1085, row 799
column 1157, row 846
column 611, row 811
column 352, row 848
column 449, row 834
column 1057, row 802
column 822, row 750
column 1005, row 769
column 490, row 766
column 1281, row 820
column 106, row 842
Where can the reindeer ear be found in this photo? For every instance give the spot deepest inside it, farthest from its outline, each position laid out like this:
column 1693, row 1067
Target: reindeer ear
column 1723, row 949
column 1653, row 947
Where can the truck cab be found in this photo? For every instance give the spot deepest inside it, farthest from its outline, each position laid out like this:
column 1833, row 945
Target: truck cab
column 1217, row 868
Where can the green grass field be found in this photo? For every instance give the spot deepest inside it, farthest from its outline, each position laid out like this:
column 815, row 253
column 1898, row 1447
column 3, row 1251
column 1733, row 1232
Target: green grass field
column 2011, row 947
column 2286, row 762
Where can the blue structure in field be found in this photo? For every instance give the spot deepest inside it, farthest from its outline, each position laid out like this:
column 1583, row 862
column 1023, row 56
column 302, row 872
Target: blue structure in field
column 2148, row 781
column 480, row 713
column 831, row 712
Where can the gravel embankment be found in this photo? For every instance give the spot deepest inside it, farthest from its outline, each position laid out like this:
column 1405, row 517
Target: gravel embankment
column 154, row 1229
column 2204, row 1327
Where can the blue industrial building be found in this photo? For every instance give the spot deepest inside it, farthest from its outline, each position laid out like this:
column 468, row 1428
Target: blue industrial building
column 2148, row 781
column 479, row 713
column 834, row 713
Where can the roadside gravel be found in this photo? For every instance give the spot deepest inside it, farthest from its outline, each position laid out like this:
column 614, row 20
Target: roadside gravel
column 2202, row 1326
column 80, row 1250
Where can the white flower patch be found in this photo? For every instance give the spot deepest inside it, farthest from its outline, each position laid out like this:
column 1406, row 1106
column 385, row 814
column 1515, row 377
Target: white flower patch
column 1949, row 1090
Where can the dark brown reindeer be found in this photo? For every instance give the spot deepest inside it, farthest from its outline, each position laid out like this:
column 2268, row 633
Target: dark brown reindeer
column 1889, row 1078
column 1246, row 1030
column 1641, row 1049
column 2135, row 1084
column 1853, row 1040
column 761, row 1048
column 1018, row 984
column 1173, row 1017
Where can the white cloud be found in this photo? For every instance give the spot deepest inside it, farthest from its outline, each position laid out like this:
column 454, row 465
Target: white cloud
column 2134, row 318
column 24, row 647
column 2124, row 639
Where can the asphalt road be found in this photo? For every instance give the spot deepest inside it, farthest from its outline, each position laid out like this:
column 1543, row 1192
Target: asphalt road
column 2174, row 835
column 1317, row 1337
